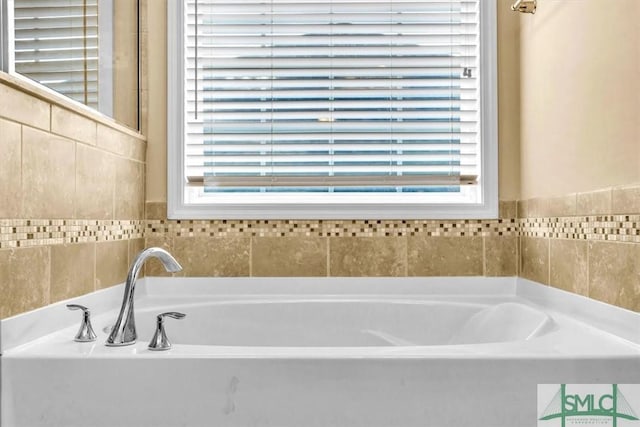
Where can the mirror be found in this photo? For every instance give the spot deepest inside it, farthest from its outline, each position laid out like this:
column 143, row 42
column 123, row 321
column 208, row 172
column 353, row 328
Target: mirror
column 86, row 50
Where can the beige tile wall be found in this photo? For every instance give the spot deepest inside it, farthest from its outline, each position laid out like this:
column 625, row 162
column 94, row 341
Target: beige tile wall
column 557, row 241
column 586, row 243
column 71, row 199
column 337, row 248
column 578, row 136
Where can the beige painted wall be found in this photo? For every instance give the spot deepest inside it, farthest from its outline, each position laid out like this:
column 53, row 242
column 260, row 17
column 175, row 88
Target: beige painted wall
column 580, row 96
column 508, row 101
column 125, row 63
column 155, row 75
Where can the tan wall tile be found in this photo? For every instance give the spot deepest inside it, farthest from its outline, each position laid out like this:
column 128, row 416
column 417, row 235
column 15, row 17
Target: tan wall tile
column 445, row 256
column 594, row 202
column 614, row 273
column 129, row 188
column 95, row 183
column 153, row 267
column 626, row 200
column 48, row 175
column 112, row 263
column 537, row 208
column 25, row 280
column 73, row 126
column 523, row 209
column 72, row 270
column 568, row 266
column 144, row 112
column 561, row 206
column 534, row 259
column 135, row 247
column 156, row 210
column 367, row 256
column 289, row 256
column 121, row 143
column 10, row 169
column 23, row 108
column 508, row 209
column 501, row 255
column 213, row 256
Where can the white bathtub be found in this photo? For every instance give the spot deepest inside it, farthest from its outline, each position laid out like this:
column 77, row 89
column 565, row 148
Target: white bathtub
column 316, row 352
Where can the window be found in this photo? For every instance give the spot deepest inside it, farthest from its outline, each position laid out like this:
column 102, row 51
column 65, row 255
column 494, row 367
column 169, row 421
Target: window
column 332, row 109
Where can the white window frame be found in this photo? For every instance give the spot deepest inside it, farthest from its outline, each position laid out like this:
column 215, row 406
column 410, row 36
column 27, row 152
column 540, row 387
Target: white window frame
column 6, row 36
column 176, row 118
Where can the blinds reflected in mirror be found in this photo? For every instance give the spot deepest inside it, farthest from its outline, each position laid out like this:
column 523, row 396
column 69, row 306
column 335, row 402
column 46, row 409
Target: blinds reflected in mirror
column 57, row 44
column 332, row 95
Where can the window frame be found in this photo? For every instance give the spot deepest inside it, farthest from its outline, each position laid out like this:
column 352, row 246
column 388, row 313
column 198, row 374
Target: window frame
column 6, row 27
column 176, row 118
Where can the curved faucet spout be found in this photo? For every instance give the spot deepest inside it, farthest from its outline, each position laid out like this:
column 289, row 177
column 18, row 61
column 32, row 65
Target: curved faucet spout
column 124, row 330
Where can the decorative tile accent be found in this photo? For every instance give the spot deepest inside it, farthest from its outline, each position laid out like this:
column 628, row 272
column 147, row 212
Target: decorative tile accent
column 618, row 228
column 40, row 232
column 17, row 233
column 621, row 228
column 331, row 228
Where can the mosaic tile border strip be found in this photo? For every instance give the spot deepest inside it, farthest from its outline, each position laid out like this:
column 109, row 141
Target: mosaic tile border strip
column 331, row 228
column 16, row 233
column 617, row 228
column 621, row 228
column 19, row 233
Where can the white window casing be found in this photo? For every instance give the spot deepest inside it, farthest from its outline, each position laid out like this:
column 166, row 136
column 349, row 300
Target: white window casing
column 332, row 110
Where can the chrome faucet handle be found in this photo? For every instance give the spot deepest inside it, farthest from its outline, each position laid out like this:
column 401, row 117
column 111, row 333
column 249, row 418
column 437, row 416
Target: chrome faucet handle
column 160, row 341
column 85, row 333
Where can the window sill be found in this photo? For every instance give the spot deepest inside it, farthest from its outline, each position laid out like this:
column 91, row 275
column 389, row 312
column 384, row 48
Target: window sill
column 334, row 211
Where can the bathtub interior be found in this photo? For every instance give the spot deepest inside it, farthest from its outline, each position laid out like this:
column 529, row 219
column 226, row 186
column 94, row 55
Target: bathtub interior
column 418, row 316
column 503, row 322
column 342, row 322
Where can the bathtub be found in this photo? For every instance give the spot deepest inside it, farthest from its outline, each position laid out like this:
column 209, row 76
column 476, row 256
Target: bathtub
column 316, row 352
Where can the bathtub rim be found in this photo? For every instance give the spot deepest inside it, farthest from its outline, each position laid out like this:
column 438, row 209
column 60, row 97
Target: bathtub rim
column 26, row 327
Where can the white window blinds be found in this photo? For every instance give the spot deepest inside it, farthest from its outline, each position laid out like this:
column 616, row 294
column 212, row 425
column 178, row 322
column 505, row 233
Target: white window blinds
column 56, row 44
column 332, row 96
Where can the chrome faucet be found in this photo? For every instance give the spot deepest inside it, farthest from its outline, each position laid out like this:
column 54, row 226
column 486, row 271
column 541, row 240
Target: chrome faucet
column 124, row 331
